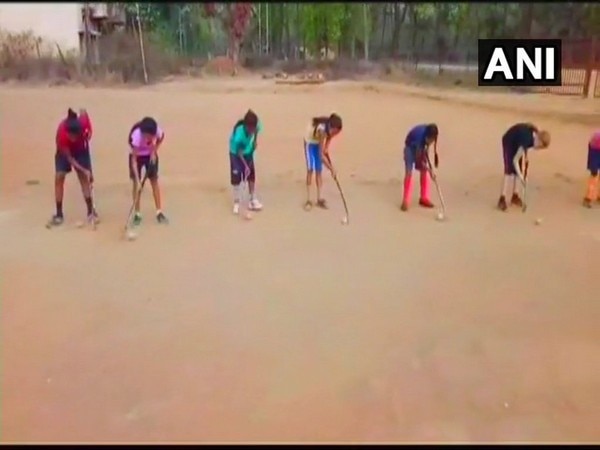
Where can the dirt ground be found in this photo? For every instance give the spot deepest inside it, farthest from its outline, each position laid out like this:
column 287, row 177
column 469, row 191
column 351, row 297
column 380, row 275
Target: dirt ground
column 292, row 327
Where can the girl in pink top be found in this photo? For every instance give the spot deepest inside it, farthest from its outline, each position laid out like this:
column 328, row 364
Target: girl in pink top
column 145, row 139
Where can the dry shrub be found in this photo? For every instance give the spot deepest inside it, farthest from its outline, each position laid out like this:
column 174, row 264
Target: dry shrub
column 222, row 66
column 122, row 59
column 26, row 57
column 337, row 69
column 257, row 62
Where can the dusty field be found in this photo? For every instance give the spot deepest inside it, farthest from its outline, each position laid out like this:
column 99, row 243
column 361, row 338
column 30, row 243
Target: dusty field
column 293, row 327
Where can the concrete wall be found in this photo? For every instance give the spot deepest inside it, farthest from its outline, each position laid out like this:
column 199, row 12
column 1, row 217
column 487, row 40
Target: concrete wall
column 54, row 22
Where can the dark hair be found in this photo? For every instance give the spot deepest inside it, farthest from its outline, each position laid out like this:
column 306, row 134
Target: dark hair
column 148, row 126
column 431, row 131
column 72, row 123
column 250, row 119
column 333, row 121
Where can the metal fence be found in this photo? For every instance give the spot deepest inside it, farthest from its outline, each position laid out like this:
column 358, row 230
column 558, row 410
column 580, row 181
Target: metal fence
column 573, row 82
column 580, row 58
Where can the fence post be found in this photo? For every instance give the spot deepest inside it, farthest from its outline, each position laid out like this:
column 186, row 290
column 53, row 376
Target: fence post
column 587, row 88
column 594, row 69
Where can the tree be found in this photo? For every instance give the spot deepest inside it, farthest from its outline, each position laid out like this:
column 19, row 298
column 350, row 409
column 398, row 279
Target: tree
column 421, row 15
column 235, row 19
column 399, row 18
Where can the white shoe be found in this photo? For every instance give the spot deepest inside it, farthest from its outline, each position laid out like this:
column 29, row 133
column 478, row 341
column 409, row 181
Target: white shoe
column 255, row 205
column 236, row 208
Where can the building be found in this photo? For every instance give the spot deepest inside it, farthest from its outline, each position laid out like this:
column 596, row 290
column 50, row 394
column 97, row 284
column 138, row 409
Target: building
column 62, row 23
column 53, row 22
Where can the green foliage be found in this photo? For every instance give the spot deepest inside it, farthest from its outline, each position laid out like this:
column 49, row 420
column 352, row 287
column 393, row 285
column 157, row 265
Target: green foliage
column 424, row 12
column 591, row 13
column 322, row 22
column 150, row 13
column 345, row 24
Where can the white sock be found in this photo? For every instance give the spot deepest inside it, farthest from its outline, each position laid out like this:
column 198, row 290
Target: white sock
column 508, row 180
column 514, row 185
column 236, row 193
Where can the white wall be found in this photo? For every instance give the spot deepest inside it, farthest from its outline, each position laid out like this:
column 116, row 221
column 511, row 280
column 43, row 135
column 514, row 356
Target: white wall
column 54, row 22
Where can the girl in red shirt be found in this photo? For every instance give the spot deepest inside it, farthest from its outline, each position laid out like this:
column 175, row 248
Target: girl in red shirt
column 72, row 151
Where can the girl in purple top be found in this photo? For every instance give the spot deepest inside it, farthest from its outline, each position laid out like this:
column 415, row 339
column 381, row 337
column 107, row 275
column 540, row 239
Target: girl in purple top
column 145, row 138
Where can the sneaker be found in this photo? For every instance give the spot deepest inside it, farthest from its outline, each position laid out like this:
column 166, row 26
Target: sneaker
column 321, row 203
column 255, row 205
column 137, row 220
column 502, row 206
column 587, row 203
column 236, row 208
column 92, row 219
column 161, row 218
column 404, row 206
column 55, row 221
column 516, row 201
column 425, row 203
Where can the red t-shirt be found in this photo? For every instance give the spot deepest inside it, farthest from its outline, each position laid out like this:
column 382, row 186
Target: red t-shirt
column 595, row 141
column 80, row 144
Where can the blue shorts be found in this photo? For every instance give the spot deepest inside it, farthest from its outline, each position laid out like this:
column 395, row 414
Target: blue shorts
column 62, row 164
column 411, row 160
column 593, row 160
column 312, row 153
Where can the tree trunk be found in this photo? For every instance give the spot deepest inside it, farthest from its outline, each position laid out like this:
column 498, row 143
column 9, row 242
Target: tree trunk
column 366, row 30
column 281, row 30
column 527, row 10
column 399, row 18
column 439, row 43
column 384, row 18
column 268, row 31
column 415, row 31
column 288, row 43
column 325, row 41
column 504, row 21
column 234, row 51
column 297, row 32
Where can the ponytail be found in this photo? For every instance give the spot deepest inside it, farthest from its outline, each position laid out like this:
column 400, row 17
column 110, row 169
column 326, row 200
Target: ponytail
column 71, row 114
column 333, row 121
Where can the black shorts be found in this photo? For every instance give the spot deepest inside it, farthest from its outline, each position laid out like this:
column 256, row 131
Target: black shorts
column 509, row 167
column 143, row 162
column 62, row 164
column 237, row 168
